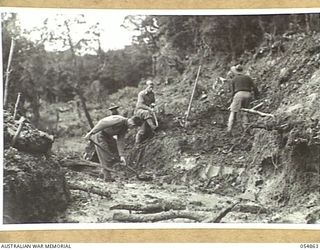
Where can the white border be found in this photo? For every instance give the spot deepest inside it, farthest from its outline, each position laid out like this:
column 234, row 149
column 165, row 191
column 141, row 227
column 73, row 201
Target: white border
column 66, row 226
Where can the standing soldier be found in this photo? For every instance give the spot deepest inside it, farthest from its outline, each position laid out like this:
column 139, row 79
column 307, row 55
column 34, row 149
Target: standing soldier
column 241, row 87
column 144, row 110
column 110, row 150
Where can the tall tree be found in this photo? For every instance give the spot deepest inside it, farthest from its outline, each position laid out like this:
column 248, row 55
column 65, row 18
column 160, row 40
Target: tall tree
column 72, row 34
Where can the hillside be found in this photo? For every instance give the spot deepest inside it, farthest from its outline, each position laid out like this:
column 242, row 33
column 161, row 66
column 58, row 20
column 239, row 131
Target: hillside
column 273, row 171
column 190, row 170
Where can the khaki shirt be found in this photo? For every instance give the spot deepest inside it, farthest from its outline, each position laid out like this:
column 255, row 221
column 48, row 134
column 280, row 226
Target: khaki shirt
column 145, row 99
column 113, row 125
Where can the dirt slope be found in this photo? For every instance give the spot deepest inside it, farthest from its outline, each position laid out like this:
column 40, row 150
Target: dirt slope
column 277, row 162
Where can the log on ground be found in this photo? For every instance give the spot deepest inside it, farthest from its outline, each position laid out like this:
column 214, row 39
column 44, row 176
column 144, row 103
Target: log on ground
column 81, row 164
column 169, row 215
column 93, row 190
column 152, row 208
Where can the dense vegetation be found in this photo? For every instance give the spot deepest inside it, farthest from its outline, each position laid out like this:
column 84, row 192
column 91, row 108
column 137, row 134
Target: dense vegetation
column 165, row 44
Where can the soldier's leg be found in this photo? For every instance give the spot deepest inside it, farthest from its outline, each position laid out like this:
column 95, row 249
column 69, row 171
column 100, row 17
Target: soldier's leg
column 140, row 136
column 245, row 120
column 231, row 120
column 245, row 102
column 105, row 156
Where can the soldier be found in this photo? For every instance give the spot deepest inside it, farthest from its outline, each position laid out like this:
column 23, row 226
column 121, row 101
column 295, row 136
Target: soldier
column 241, row 87
column 144, row 110
column 114, row 110
column 90, row 152
column 110, row 150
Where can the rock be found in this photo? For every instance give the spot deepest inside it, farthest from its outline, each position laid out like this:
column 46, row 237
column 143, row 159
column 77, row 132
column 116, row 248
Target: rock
column 34, row 188
column 313, row 217
column 30, row 139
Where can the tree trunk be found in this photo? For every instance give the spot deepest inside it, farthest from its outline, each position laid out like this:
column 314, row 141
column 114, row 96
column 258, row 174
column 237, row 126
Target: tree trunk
column 307, row 22
column 231, row 44
column 6, row 85
column 76, row 74
column 261, row 25
column 36, row 109
column 84, row 106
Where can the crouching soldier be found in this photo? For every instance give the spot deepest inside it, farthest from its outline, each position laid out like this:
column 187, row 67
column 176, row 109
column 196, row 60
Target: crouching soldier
column 110, row 150
column 144, row 110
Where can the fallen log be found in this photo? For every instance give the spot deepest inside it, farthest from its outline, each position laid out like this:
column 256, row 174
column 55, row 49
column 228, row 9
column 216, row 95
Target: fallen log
column 152, row 208
column 93, row 190
column 81, row 164
column 252, row 111
column 169, row 215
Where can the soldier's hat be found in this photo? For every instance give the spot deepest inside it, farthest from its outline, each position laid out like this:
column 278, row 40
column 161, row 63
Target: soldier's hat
column 113, row 107
column 237, row 69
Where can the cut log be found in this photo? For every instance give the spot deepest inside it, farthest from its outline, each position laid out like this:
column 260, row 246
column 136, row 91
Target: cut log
column 152, row 208
column 93, row 190
column 252, row 111
column 81, row 164
column 124, row 217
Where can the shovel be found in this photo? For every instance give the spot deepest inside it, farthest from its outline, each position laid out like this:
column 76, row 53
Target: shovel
column 155, row 119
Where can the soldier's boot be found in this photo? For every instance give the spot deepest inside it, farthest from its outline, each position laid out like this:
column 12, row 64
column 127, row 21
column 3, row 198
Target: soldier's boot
column 246, row 128
column 245, row 122
column 107, row 175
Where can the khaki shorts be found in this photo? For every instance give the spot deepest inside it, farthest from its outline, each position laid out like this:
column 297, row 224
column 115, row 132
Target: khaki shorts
column 240, row 100
column 143, row 114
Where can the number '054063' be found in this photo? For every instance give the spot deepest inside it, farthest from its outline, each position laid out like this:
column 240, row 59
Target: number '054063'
column 309, row 246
